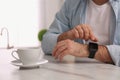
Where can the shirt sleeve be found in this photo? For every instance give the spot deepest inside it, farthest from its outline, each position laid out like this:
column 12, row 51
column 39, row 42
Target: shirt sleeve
column 114, row 51
column 59, row 25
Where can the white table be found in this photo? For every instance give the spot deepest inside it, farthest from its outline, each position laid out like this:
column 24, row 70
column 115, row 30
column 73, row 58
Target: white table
column 82, row 69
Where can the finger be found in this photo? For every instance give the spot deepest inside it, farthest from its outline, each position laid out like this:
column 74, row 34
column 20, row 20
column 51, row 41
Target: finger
column 86, row 32
column 76, row 33
column 80, row 31
column 59, row 44
column 59, row 51
column 61, row 56
column 92, row 36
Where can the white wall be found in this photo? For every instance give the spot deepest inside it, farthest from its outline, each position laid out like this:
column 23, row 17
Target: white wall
column 21, row 17
column 24, row 18
column 51, row 7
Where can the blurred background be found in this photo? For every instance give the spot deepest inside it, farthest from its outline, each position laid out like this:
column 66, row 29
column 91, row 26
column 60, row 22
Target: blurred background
column 21, row 20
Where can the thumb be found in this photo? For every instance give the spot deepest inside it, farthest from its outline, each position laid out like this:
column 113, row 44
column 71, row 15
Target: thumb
column 93, row 38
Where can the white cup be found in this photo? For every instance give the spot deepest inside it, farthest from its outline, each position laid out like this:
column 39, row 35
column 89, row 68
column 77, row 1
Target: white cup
column 28, row 55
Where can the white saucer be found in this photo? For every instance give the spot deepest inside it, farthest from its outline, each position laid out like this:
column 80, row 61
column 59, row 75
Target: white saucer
column 18, row 63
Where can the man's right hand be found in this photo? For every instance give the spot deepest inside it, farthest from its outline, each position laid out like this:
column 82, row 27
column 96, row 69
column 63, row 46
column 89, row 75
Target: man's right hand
column 82, row 31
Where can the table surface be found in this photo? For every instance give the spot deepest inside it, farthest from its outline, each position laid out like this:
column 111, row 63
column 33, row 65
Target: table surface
column 81, row 69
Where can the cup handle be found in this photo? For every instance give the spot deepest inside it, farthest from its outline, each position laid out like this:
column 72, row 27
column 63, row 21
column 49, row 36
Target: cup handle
column 14, row 55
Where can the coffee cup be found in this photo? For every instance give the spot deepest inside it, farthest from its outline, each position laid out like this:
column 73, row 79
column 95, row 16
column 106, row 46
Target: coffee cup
column 28, row 55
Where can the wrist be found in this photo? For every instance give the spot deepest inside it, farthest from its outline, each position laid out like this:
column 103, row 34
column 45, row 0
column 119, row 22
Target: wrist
column 93, row 48
column 64, row 36
column 85, row 52
column 86, row 49
column 61, row 37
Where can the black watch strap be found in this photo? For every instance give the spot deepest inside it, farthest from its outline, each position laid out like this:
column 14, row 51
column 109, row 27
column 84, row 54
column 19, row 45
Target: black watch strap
column 93, row 47
column 92, row 54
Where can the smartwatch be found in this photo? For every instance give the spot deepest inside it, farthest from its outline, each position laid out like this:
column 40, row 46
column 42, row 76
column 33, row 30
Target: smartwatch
column 92, row 47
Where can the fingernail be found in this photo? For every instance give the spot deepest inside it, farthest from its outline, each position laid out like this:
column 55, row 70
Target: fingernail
column 93, row 38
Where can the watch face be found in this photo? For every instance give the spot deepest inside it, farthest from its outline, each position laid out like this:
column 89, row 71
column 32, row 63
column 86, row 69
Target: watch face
column 93, row 46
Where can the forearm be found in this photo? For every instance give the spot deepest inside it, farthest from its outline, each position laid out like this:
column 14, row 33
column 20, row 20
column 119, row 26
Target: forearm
column 103, row 55
column 65, row 35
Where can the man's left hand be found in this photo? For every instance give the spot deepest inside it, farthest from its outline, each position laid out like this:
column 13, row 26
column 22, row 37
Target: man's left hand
column 70, row 47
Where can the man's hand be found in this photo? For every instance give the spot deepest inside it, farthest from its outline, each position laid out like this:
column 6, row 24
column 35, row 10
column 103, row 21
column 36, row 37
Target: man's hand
column 82, row 31
column 70, row 47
